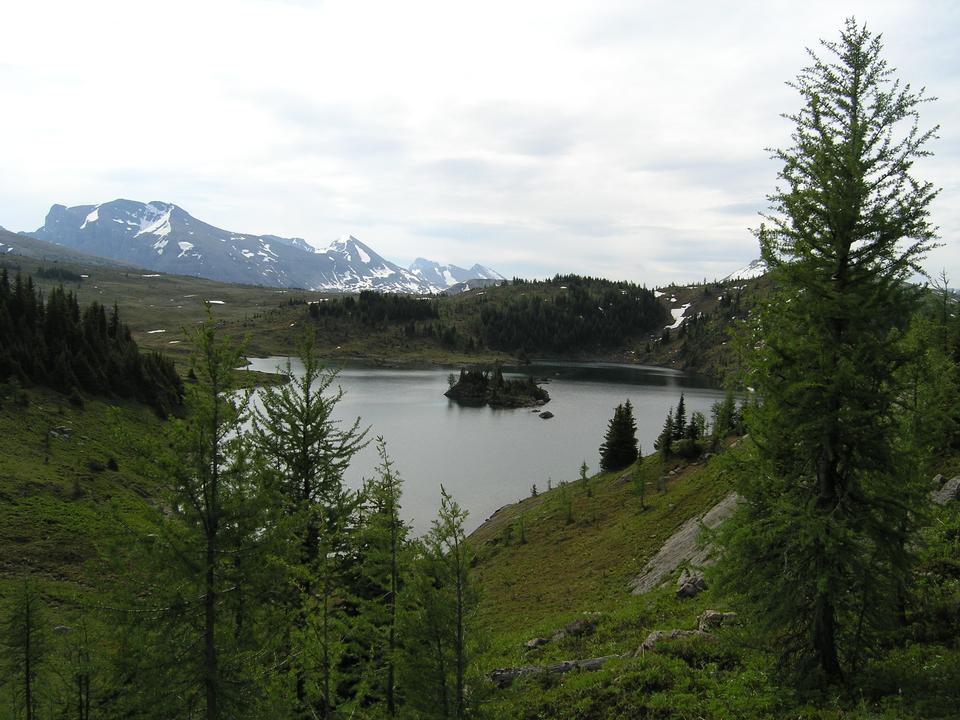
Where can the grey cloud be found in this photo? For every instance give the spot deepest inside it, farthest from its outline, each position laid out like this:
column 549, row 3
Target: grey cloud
column 476, row 174
column 521, row 129
column 705, row 251
column 741, row 208
column 327, row 129
column 731, row 174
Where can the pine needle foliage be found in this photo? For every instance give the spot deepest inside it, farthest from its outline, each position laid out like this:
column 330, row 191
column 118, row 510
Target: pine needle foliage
column 819, row 550
column 619, row 448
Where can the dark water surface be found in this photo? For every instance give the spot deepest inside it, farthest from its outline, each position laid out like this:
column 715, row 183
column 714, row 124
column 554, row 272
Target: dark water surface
column 487, row 458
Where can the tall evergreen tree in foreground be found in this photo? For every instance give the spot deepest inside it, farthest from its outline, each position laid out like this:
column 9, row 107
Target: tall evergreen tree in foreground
column 383, row 568
column 190, row 641
column 819, row 548
column 441, row 602
column 306, row 452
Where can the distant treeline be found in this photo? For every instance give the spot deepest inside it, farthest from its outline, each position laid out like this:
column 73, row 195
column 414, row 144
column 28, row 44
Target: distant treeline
column 373, row 308
column 587, row 313
column 49, row 341
column 58, row 273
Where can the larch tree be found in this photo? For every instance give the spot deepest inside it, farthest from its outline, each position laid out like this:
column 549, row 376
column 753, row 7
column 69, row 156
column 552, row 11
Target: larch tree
column 306, row 451
column 818, row 551
column 440, row 604
column 25, row 646
column 189, row 641
column 383, row 569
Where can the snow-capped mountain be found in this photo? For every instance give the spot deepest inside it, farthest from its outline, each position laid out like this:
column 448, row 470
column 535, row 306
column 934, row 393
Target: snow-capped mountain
column 164, row 237
column 349, row 265
column 754, row 270
column 446, row 276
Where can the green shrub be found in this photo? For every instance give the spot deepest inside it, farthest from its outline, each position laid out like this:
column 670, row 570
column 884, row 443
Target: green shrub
column 687, row 449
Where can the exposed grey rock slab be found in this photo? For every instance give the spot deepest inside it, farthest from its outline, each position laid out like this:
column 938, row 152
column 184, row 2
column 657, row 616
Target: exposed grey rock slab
column 682, row 547
column 948, row 492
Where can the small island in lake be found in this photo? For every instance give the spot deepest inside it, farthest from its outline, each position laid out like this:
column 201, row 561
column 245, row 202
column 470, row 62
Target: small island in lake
column 481, row 387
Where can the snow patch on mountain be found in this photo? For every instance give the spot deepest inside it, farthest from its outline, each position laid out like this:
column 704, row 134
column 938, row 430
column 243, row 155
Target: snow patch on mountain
column 156, row 221
column 754, row 270
column 92, row 217
column 338, row 245
column 677, row 317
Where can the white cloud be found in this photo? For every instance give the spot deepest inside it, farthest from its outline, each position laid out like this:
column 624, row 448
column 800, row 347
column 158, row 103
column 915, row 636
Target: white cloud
column 616, row 138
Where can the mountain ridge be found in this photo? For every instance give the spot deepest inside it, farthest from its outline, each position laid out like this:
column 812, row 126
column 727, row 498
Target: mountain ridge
column 164, row 237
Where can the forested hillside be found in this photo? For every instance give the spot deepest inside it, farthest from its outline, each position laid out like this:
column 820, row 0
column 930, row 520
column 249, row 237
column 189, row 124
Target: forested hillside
column 47, row 340
column 586, row 314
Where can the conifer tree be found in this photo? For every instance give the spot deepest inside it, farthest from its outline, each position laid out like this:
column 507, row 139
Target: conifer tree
column 619, row 448
column 680, row 420
column 722, row 418
column 306, row 452
column 441, row 602
column 697, row 426
column 384, row 568
column 186, row 615
column 664, row 442
column 819, row 549
column 25, row 645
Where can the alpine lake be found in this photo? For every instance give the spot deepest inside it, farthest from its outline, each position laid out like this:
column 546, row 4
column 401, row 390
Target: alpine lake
column 487, row 458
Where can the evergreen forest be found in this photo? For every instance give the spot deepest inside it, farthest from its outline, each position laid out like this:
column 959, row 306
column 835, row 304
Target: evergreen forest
column 49, row 341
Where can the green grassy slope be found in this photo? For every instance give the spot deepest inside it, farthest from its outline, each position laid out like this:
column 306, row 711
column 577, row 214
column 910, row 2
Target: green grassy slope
column 573, row 571
column 64, row 471
column 592, row 558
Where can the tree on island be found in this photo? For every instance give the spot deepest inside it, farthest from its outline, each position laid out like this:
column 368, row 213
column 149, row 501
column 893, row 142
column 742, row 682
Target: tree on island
column 818, row 551
column 619, row 448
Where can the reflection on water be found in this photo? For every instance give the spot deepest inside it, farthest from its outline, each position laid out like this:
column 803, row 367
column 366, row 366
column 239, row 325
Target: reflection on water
column 488, row 457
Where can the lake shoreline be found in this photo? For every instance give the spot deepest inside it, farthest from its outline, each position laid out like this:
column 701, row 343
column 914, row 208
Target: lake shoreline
column 488, row 457
column 367, row 362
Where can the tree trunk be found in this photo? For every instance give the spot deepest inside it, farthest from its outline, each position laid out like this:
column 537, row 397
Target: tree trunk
column 28, row 651
column 394, row 583
column 442, row 674
column 327, row 704
column 209, row 635
column 461, row 653
column 825, row 639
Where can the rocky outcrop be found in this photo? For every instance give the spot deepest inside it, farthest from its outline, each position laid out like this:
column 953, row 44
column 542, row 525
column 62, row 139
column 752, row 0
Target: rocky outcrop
column 690, row 584
column 682, row 547
column 712, row 619
column 504, row 677
column 948, row 491
column 658, row 636
column 577, row 628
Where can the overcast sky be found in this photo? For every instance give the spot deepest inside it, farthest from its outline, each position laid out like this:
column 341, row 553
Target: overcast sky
column 620, row 139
